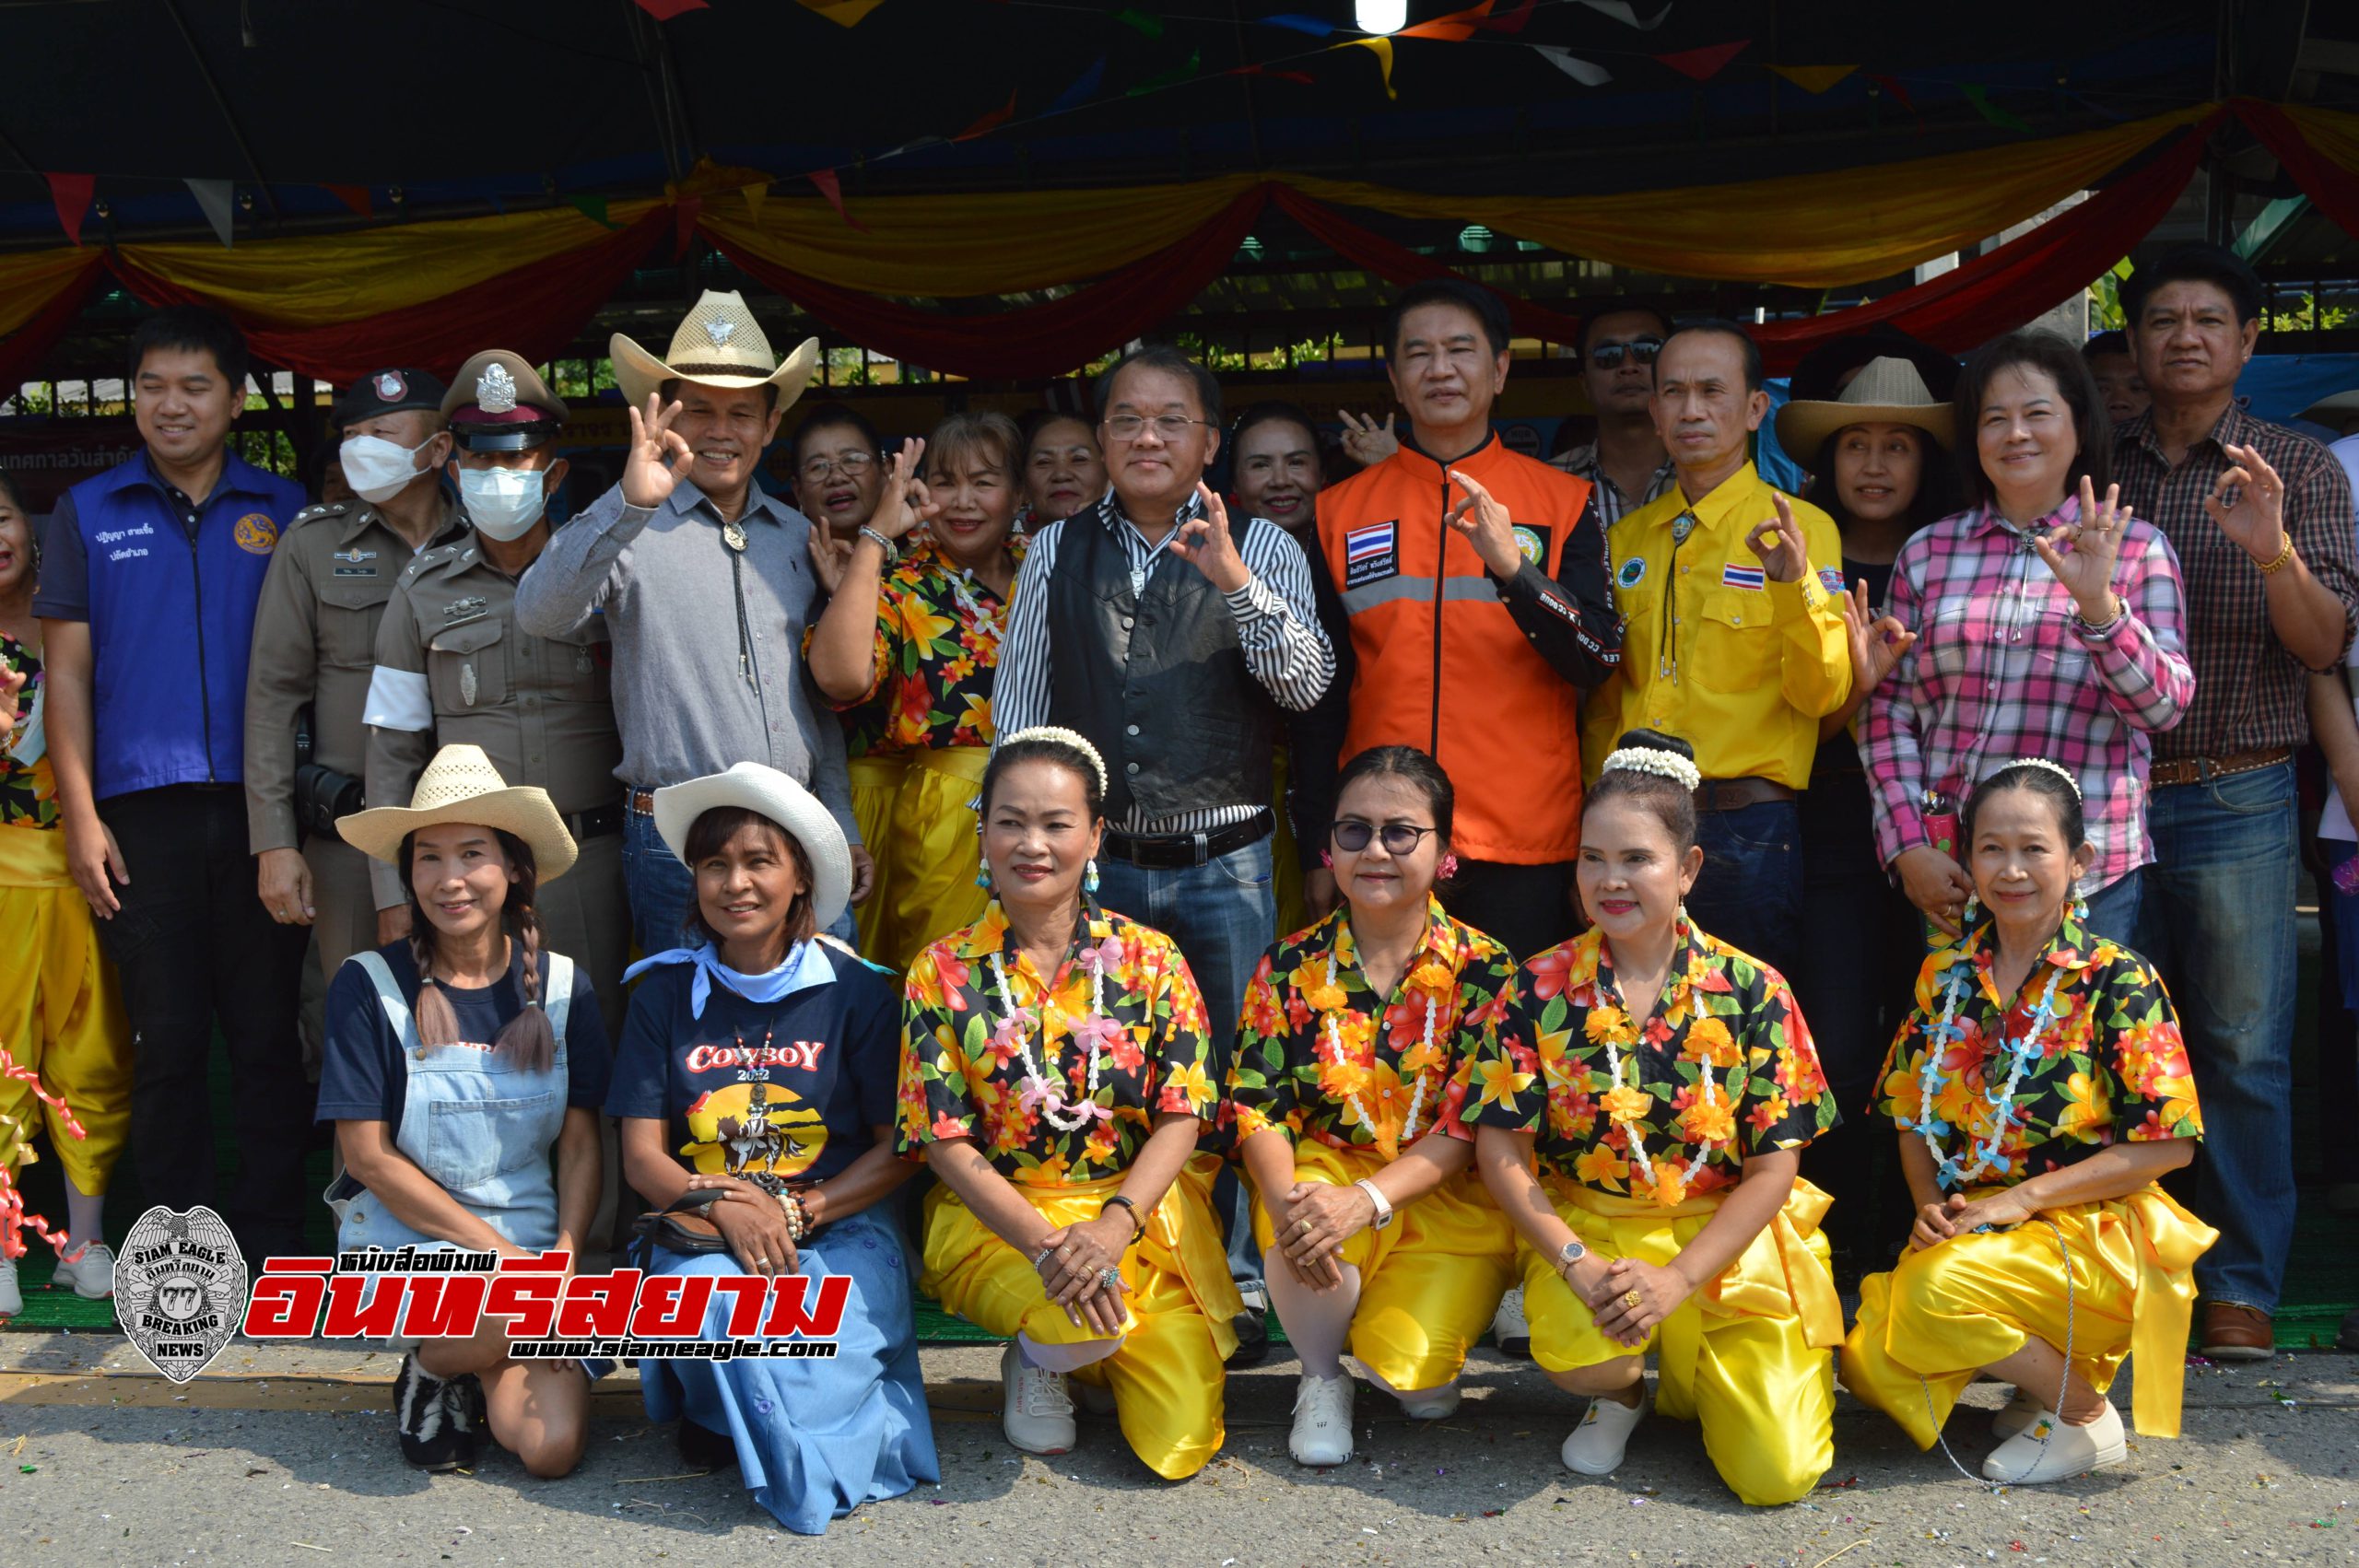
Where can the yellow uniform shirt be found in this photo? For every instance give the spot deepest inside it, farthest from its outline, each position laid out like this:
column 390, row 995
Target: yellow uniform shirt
column 1741, row 667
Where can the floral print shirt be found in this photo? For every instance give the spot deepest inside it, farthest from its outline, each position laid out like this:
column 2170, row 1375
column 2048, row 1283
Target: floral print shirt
column 963, row 1071
column 1320, row 1054
column 28, row 792
column 2110, row 1064
column 1548, row 1068
column 936, row 650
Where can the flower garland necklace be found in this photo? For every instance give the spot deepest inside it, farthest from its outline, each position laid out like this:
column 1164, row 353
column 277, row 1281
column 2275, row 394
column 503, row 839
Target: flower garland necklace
column 1015, row 1028
column 1627, row 1035
column 1335, row 1034
column 1952, row 1172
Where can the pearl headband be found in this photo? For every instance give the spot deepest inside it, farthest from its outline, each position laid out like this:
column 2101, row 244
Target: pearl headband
column 2057, row 768
column 1661, row 764
column 1063, row 737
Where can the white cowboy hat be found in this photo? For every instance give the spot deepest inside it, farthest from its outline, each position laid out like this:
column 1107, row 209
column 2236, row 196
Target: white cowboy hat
column 718, row 344
column 786, row 802
column 1885, row 392
column 460, row 785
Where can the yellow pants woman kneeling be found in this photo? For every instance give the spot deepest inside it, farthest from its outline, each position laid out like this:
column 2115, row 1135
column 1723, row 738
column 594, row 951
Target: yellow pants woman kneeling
column 1164, row 1370
column 1747, row 1357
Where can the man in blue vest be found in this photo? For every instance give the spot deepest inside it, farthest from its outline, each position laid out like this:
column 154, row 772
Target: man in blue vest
column 147, row 603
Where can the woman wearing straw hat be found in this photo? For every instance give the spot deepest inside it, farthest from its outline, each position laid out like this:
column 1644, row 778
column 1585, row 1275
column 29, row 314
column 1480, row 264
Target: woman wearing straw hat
column 759, row 1065
column 456, row 1060
column 1878, row 453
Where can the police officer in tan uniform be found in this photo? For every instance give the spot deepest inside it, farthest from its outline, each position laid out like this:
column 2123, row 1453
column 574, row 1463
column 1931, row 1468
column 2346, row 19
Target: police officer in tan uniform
column 452, row 666
column 316, row 639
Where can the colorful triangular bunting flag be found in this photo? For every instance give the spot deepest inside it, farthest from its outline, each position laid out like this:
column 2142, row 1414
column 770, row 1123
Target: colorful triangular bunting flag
column 1297, row 22
column 1589, row 72
column 1703, row 63
column 1168, row 78
column 996, row 119
column 1623, row 12
column 833, row 189
column 1083, row 88
column 1980, row 98
column 1382, row 49
column 218, row 199
column 843, row 13
column 664, row 10
column 1814, row 79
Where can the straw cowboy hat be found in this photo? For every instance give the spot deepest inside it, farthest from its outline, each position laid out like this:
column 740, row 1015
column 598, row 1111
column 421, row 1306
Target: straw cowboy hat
column 786, row 802
column 1885, row 392
column 460, row 785
column 720, row 345
column 2333, row 410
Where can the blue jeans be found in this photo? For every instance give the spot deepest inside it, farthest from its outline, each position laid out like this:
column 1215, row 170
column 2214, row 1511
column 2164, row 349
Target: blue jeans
column 2114, row 913
column 2217, row 920
column 1750, row 892
column 663, row 891
column 1222, row 914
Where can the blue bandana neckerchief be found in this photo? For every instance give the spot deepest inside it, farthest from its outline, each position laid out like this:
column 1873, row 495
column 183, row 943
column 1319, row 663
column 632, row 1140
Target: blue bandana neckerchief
column 806, row 966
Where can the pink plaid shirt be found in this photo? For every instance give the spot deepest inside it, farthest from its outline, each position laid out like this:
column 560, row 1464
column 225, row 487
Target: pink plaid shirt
column 2004, row 668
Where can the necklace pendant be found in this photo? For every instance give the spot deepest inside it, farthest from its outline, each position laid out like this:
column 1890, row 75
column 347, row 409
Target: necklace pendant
column 1680, row 527
column 734, row 535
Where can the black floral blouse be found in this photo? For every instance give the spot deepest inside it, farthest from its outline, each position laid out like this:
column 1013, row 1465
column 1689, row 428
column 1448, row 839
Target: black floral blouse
column 1355, row 1084
column 962, row 1056
column 28, row 793
column 1549, row 1068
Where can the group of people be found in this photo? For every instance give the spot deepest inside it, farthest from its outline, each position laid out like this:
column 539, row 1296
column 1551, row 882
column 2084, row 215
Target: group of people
column 1394, row 902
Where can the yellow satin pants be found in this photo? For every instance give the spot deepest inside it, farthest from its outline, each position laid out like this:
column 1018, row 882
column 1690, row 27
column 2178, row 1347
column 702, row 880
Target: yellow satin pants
column 61, row 1014
column 917, row 817
column 1747, row 1357
column 1167, row 1377
column 1429, row 1281
column 1973, row 1300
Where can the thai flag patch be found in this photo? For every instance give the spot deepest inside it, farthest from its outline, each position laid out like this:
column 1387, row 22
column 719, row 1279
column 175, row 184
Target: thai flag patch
column 1830, row 579
column 1734, row 575
column 1371, row 553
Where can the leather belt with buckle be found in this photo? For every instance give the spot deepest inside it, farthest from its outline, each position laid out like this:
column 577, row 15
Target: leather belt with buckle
column 595, row 823
column 2198, row 769
column 1174, row 851
column 1735, row 794
column 641, row 800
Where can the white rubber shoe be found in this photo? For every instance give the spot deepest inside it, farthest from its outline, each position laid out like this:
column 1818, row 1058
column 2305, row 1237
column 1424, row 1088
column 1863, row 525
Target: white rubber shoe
column 1431, row 1404
column 1596, row 1446
column 1510, row 1329
column 90, row 1271
column 1037, row 1411
column 12, row 1300
column 2048, row 1450
column 1322, row 1421
column 2019, row 1413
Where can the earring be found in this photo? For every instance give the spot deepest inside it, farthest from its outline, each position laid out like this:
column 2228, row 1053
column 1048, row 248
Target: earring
column 1089, row 878
column 1448, row 867
column 1972, row 911
column 983, row 875
column 1327, row 859
column 2079, row 910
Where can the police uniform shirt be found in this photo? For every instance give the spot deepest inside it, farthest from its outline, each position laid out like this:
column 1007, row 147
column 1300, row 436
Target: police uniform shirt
column 452, row 666
column 315, row 642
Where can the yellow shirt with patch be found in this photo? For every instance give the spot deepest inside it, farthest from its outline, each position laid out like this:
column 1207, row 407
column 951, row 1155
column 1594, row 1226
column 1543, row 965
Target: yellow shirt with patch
column 1741, row 673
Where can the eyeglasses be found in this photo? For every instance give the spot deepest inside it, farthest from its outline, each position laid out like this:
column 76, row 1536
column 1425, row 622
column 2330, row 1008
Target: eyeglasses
column 1608, row 356
column 1169, row 427
column 853, row 464
column 1351, row 834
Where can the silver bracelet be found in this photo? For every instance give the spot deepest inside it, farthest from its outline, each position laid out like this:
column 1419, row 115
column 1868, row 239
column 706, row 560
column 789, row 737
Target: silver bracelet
column 892, row 551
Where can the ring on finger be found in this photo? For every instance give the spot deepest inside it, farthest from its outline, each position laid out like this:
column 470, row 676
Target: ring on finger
column 1633, row 1299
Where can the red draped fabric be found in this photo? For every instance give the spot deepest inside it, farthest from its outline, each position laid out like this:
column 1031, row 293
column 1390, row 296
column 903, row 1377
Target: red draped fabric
column 2333, row 187
column 22, row 351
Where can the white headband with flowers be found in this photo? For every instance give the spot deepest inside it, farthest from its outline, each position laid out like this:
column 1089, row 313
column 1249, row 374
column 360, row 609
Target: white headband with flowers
column 1063, row 737
column 1662, row 763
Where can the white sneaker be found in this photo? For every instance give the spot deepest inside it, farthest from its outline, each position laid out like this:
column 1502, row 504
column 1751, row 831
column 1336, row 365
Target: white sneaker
column 90, row 1271
column 1322, row 1421
column 1509, row 1329
column 12, row 1300
column 1431, row 1404
column 1596, row 1445
column 1037, row 1412
column 2048, row 1450
column 2019, row 1413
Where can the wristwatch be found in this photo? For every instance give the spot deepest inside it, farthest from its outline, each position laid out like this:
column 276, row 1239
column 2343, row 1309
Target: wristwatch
column 1572, row 1252
column 892, row 551
column 1383, row 1205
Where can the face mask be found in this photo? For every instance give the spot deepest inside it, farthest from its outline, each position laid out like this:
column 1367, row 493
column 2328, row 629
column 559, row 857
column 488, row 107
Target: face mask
column 377, row 469
column 503, row 502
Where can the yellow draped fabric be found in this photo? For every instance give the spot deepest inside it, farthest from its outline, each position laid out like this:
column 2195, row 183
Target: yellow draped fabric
column 1976, row 1299
column 61, row 1014
column 1429, row 1281
column 317, row 280
column 1746, row 1357
column 916, row 815
column 2333, row 136
column 28, row 282
column 1167, row 1378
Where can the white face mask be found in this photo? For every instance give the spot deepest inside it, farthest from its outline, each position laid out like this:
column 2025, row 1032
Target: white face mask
column 377, row 469
column 503, row 502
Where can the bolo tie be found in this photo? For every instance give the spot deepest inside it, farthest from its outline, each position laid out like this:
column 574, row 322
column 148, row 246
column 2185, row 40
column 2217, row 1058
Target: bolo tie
column 734, row 535
column 1667, row 656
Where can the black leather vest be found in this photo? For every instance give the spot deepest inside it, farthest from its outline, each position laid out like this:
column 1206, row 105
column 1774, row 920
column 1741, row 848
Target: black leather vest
column 1159, row 682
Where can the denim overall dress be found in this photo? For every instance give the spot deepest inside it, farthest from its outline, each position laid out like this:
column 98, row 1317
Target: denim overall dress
column 472, row 1120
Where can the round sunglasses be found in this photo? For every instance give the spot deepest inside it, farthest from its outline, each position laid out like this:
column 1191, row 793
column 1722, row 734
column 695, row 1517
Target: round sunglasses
column 1351, row 834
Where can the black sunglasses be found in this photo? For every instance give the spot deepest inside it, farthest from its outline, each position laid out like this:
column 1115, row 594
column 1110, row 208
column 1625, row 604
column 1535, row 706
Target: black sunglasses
column 1352, row 835
column 1608, row 356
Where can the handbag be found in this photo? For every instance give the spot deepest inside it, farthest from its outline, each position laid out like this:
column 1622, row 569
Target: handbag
column 685, row 1226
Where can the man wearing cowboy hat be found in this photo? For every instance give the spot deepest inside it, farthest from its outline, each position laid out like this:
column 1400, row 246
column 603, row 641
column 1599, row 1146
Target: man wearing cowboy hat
column 453, row 666
column 706, row 585
column 315, row 638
